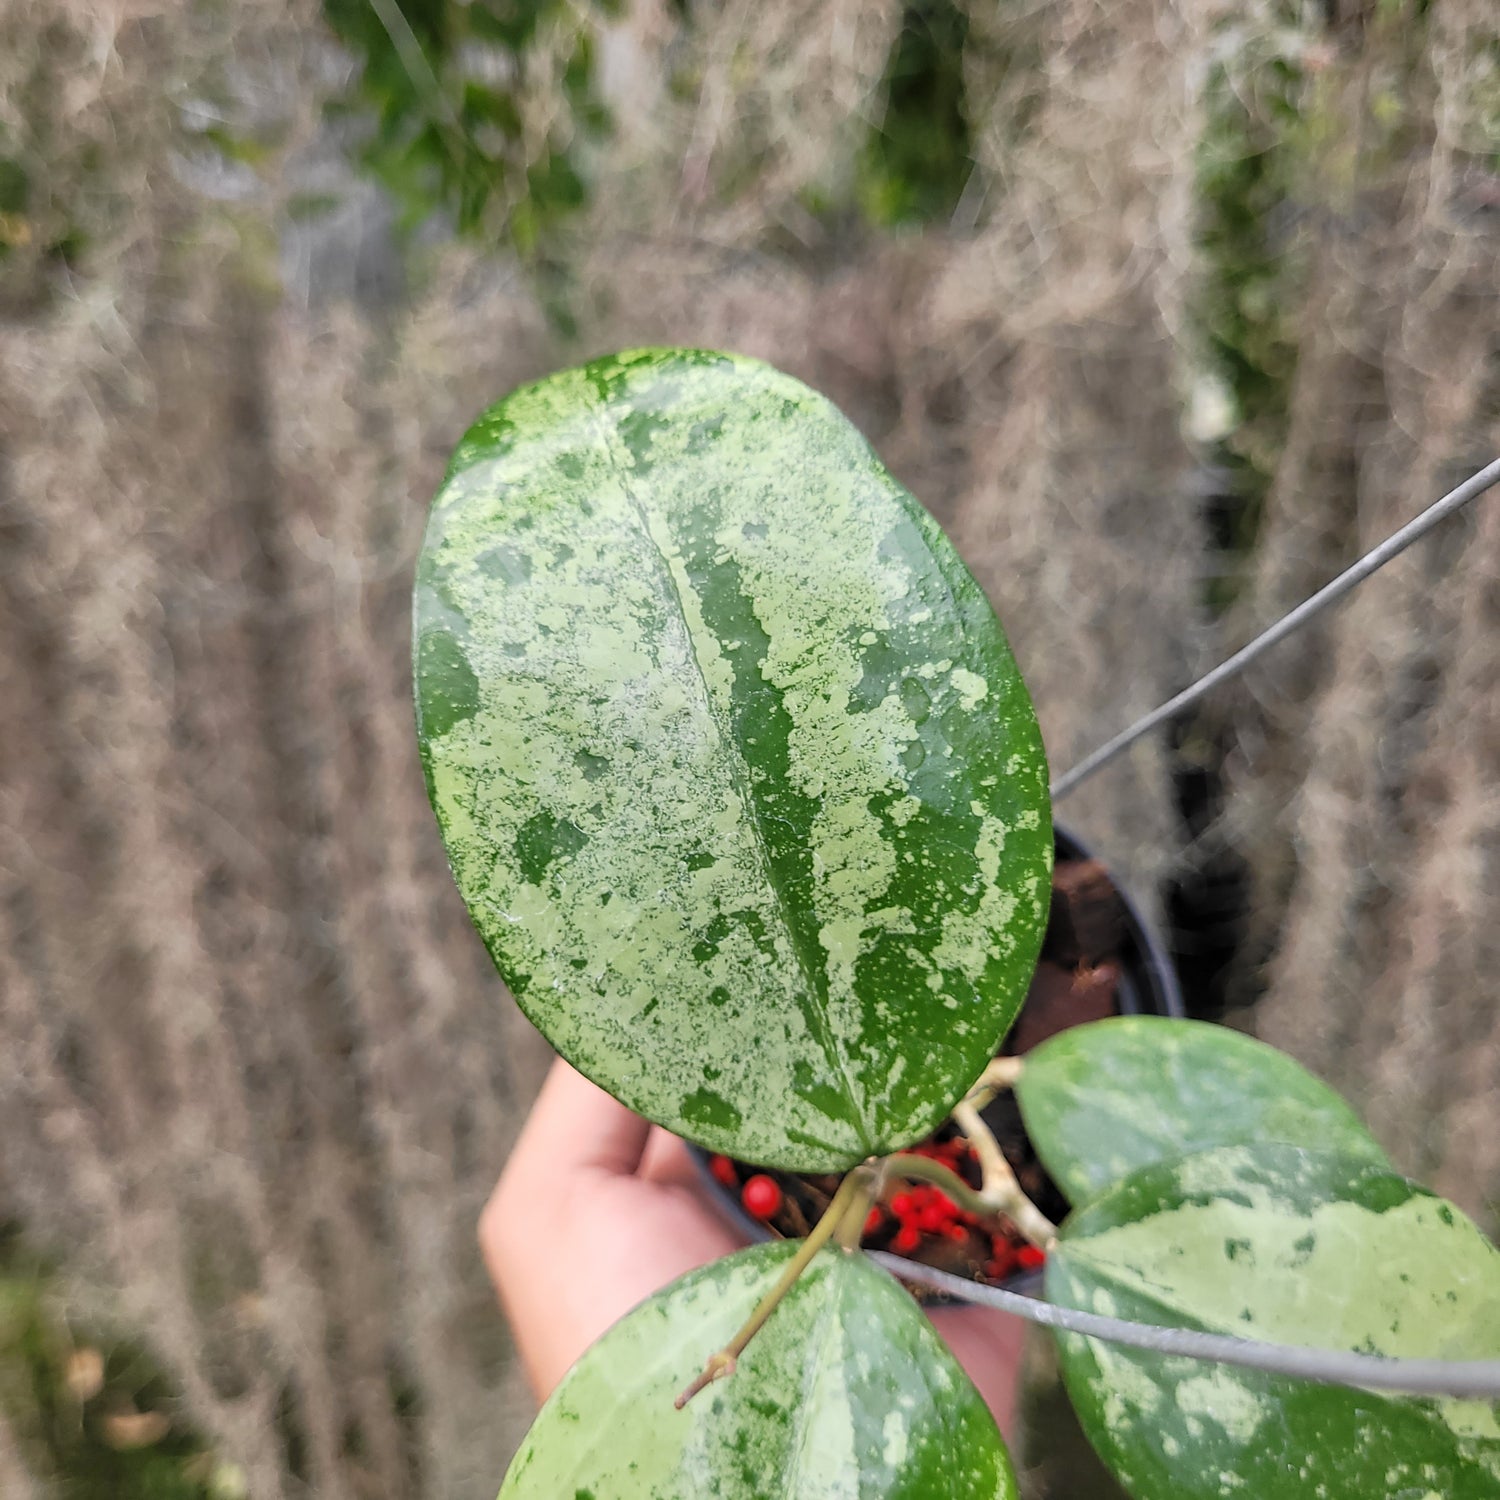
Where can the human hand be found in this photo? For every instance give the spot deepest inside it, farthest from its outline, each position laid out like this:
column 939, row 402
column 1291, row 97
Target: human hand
column 597, row 1209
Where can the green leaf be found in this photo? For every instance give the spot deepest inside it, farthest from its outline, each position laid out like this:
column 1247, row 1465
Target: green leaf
column 1290, row 1247
column 1101, row 1101
column 846, row 1392
column 734, row 767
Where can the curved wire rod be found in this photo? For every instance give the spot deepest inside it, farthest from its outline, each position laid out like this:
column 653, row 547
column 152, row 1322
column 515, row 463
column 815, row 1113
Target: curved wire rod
column 1394, row 544
column 1468, row 1379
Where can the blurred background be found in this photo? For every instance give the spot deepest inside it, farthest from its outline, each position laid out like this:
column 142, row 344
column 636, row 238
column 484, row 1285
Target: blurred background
column 1165, row 308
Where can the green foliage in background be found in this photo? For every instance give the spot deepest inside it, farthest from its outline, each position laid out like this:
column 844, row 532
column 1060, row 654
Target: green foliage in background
column 50, row 195
column 486, row 111
column 1245, row 176
column 1307, row 132
column 917, row 160
column 1487, row 104
column 465, row 103
column 93, row 1417
column 15, row 199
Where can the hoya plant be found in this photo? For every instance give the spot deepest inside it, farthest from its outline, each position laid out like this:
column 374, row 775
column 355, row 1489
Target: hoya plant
column 745, row 794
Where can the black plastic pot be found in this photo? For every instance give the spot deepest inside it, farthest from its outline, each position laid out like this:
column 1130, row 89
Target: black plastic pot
column 1148, row 977
column 1147, row 986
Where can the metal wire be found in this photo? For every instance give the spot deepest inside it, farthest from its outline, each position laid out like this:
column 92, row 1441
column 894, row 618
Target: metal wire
column 1466, row 1379
column 1393, row 545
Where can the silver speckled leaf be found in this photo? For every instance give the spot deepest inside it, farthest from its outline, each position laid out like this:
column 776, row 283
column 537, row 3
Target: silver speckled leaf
column 1103, row 1100
column 734, row 767
column 845, row 1394
column 1291, row 1247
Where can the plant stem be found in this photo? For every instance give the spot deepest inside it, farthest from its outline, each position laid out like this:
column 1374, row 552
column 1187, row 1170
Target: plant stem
column 1000, row 1185
column 914, row 1168
column 1003, row 1074
column 1001, row 1193
column 857, row 1186
column 1476, row 1379
column 850, row 1229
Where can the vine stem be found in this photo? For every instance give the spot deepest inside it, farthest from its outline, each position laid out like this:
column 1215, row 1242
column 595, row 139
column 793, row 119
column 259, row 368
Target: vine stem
column 1000, row 1185
column 854, row 1195
column 1473, row 1380
column 1002, row 1074
column 910, row 1167
column 1376, row 558
column 850, row 1228
column 999, row 1192
column 1002, row 1196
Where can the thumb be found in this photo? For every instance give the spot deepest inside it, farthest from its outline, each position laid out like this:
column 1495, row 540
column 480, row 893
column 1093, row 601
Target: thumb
column 575, row 1126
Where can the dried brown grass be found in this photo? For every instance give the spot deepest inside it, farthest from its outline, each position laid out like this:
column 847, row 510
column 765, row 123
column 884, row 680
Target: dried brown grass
column 1367, row 760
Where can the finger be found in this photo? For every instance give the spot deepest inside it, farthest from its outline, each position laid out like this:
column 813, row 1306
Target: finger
column 576, row 1127
column 668, row 1161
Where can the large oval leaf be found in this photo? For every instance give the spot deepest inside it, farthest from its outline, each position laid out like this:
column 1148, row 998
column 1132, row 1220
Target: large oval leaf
column 845, row 1392
column 734, row 767
column 1291, row 1247
column 1103, row 1100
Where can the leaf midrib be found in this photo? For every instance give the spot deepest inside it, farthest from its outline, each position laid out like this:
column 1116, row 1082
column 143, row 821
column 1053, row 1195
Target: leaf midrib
column 623, row 462
column 820, row 1339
